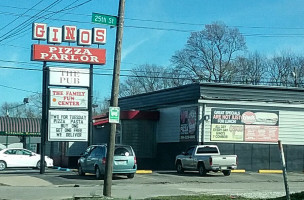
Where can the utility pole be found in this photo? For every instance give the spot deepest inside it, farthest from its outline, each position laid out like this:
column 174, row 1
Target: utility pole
column 114, row 100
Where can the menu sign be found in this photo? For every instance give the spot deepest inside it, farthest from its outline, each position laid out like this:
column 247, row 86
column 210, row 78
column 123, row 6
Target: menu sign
column 244, row 125
column 68, row 125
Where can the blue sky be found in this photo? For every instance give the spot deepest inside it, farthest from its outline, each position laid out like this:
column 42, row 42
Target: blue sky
column 154, row 30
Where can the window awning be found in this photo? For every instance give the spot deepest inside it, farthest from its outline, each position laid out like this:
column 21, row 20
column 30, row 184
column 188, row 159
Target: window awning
column 13, row 126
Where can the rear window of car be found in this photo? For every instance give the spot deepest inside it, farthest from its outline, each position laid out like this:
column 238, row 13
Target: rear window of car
column 123, row 151
column 203, row 150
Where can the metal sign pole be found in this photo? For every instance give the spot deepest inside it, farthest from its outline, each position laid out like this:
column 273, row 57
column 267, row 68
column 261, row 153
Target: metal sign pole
column 284, row 170
column 44, row 123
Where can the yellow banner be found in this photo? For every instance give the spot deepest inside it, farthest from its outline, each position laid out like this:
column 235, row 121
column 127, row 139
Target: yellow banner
column 227, row 132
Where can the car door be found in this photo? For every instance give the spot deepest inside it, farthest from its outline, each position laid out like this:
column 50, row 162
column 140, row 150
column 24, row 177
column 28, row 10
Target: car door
column 91, row 159
column 10, row 157
column 188, row 158
column 27, row 159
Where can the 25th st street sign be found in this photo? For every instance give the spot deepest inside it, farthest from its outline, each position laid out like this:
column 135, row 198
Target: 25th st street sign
column 104, row 19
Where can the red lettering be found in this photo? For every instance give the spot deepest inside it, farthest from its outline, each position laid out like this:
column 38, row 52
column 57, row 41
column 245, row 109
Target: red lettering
column 40, row 31
column 55, row 38
column 85, row 37
column 70, row 34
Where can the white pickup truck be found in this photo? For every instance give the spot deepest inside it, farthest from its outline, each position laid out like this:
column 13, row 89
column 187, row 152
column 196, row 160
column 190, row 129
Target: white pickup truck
column 205, row 158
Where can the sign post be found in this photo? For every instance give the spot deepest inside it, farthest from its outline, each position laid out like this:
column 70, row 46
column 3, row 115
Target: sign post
column 114, row 100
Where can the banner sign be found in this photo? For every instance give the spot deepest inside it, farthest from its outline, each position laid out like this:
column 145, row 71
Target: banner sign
column 69, row 54
column 188, row 124
column 244, row 125
column 69, row 77
column 68, row 125
column 68, row 98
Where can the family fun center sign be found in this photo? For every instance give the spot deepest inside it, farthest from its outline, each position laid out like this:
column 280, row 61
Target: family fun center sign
column 68, row 89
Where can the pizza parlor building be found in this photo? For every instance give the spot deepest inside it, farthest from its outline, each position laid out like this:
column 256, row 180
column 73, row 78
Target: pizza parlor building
column 244, row 120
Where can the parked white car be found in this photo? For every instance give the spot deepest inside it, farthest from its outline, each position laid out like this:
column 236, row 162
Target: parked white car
column 18, row 157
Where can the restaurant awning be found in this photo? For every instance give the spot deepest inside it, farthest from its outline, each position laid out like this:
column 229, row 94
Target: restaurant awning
column 13, row 126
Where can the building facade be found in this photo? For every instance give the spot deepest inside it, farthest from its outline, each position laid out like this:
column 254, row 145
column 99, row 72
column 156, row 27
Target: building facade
column 241, row 119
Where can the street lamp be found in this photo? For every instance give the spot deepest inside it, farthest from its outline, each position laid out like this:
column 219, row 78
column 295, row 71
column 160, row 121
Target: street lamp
column 25, row 101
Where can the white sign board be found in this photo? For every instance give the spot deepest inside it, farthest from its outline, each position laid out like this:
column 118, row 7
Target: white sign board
column 68, row 98
column 69, row 77
column 114, row 115
column 68, row 125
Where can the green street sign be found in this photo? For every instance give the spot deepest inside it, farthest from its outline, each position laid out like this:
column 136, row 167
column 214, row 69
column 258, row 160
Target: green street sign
column 104, row 19
column 114, row 113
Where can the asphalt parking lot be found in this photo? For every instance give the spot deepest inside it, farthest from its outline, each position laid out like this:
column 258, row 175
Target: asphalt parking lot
column 56, row 184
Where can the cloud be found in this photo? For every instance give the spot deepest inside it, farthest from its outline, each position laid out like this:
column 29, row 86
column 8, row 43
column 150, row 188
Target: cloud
column 131, row 48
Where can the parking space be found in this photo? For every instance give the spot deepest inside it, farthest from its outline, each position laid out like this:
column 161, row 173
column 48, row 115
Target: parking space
column 158, row 183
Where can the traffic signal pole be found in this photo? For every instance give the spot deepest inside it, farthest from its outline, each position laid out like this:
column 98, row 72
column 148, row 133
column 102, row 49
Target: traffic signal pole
column 114, row 100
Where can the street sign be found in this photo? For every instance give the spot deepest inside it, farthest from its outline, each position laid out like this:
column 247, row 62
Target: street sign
column 114, row 113
column 104, row 19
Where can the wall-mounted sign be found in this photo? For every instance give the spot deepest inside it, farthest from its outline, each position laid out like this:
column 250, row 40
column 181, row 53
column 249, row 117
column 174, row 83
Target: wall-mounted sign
column 68, row 98
column 188, row 124
column 244, row 125
column 70, row 54
column 68, row 125
column 69, row 77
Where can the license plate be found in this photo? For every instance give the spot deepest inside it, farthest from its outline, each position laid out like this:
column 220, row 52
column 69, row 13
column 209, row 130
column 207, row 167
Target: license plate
column 120, row 162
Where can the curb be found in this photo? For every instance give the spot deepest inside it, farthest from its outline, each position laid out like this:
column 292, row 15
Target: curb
column 143, row 171
column 262, row 171
column 238, row 171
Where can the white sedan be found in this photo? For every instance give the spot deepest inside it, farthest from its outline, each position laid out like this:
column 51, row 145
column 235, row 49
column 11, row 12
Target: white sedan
column 18, row 157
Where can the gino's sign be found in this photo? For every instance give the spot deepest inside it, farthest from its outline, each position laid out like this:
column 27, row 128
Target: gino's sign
column 71, row 54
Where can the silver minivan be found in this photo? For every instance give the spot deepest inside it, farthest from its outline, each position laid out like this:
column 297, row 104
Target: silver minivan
column 93, row 160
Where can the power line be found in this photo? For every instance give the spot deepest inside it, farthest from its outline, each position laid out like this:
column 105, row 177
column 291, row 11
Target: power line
column 170, row 22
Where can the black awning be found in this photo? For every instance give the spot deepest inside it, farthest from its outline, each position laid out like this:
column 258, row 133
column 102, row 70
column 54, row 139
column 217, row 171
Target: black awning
column 20, row 126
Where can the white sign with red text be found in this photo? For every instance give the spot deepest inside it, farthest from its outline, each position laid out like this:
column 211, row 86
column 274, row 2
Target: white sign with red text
column 68, row 125
column 68, row 98
column 69, row 77
column 55, row 35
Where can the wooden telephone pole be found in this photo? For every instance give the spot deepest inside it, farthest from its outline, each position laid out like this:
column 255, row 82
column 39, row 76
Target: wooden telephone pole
column 114, row 100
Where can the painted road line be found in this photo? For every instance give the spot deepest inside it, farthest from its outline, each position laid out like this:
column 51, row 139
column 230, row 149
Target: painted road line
column 270, row 171
column 143, row 171
column 238, row 171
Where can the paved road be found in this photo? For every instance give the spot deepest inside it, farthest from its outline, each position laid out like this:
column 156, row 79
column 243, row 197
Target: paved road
column 30, row 185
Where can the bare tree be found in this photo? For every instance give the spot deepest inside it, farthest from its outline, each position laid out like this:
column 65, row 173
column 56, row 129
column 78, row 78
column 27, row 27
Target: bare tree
column 280, row 69
column 251, row 69
column 149, row 78
column 208, row 53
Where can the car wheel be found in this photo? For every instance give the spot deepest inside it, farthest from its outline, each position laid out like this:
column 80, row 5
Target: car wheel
column 201, row 169
column 39, row 165
column 179, row 168
column 226, row 172
column 130, row 175
column 2, row 165
column 80, row 171
column 98, row 174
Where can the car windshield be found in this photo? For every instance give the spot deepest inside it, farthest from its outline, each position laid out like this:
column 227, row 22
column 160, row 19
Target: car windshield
column 123, row 151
